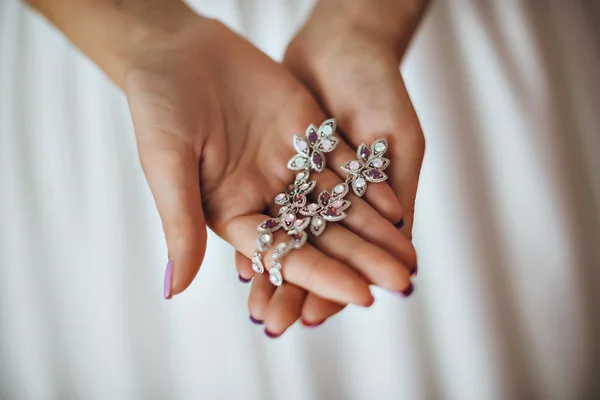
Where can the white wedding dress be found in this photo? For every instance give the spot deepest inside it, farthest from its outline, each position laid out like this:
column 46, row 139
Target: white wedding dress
column 507, row 229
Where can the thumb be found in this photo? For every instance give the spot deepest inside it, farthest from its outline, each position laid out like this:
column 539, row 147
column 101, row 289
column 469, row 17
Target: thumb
column 171, row 168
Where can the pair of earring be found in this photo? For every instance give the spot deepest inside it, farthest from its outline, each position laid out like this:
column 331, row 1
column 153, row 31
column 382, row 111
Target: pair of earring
column 296, row 213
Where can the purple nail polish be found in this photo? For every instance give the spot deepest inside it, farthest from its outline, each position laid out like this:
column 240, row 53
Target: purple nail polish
column 369, row 303
column 244, row 280
column 255, row 321
column 271, row 334
column 400, row 224
column 408, row 291
column 414, row 271
column 168, row 276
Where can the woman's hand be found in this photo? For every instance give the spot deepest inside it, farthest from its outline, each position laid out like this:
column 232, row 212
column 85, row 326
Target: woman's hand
column 348, row 55
column 214, row 119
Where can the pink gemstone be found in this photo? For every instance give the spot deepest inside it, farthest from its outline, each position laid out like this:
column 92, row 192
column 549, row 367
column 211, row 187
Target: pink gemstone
column 301, row 145
column 313, row 207
column 280, row 197
column 337, row 204
column 312, row 137
column 299, row 222
column 317, row 159
column 289, row 217
column 304, row 186
column 325, row 197
column 354, row 165
column 326, row 144
column 377, row 163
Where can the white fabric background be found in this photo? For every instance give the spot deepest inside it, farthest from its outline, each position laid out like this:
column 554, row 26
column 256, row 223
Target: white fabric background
column 507, row 228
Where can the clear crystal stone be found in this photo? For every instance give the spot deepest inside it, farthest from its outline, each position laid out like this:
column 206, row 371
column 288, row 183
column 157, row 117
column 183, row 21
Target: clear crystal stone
column 275, row 277
column 377, row 163
column 317, row 221
column 339, row 189
column 300, row 162
column 265, row 237
column 360, row 182
column 379, row 147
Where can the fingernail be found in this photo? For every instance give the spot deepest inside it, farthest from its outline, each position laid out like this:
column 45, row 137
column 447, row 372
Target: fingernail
column 400, row 224
column 414, row 271
column 255, row 321
column 370, row 302
column 310, row 324
column 271, row 334
column 244, row 280
column 408, row 291
column 168, row 276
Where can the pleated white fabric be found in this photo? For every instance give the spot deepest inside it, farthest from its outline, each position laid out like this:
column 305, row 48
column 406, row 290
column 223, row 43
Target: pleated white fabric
column 507, row 228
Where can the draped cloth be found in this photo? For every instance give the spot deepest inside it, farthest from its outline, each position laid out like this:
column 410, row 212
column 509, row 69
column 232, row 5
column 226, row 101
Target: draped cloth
column 507, row 228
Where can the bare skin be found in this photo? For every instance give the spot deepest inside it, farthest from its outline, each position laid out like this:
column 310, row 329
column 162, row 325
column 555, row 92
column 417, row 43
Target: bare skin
column 214, row 118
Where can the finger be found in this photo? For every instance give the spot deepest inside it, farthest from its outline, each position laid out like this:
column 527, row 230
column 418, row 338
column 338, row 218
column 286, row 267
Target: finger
column 306, row 267
column 261, row 292
column 171, row 168
column 408, row 145
column 374, row 263
column 244, row 267
column 317, row 310
column 367, row 223
column 284, row 309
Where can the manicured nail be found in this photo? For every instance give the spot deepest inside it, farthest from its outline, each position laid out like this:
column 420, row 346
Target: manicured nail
column 271, row 334
column 310, row 324
column 244, row 280
column 400, row 224
column 255, row 321
column 408, row 291
column 414, row 271
column 370, row 302
column 168, row 276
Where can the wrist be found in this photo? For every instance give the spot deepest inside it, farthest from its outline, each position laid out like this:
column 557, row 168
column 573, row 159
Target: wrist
column 112, row 33
column 389, row 22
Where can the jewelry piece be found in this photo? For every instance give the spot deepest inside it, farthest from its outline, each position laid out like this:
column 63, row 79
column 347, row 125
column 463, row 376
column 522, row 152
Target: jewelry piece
column 368, row 166
column 295, row 215
column 310, row 155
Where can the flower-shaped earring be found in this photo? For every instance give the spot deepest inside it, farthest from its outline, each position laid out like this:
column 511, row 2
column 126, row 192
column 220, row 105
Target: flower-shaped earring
column 312, row 147
column 368, row 166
